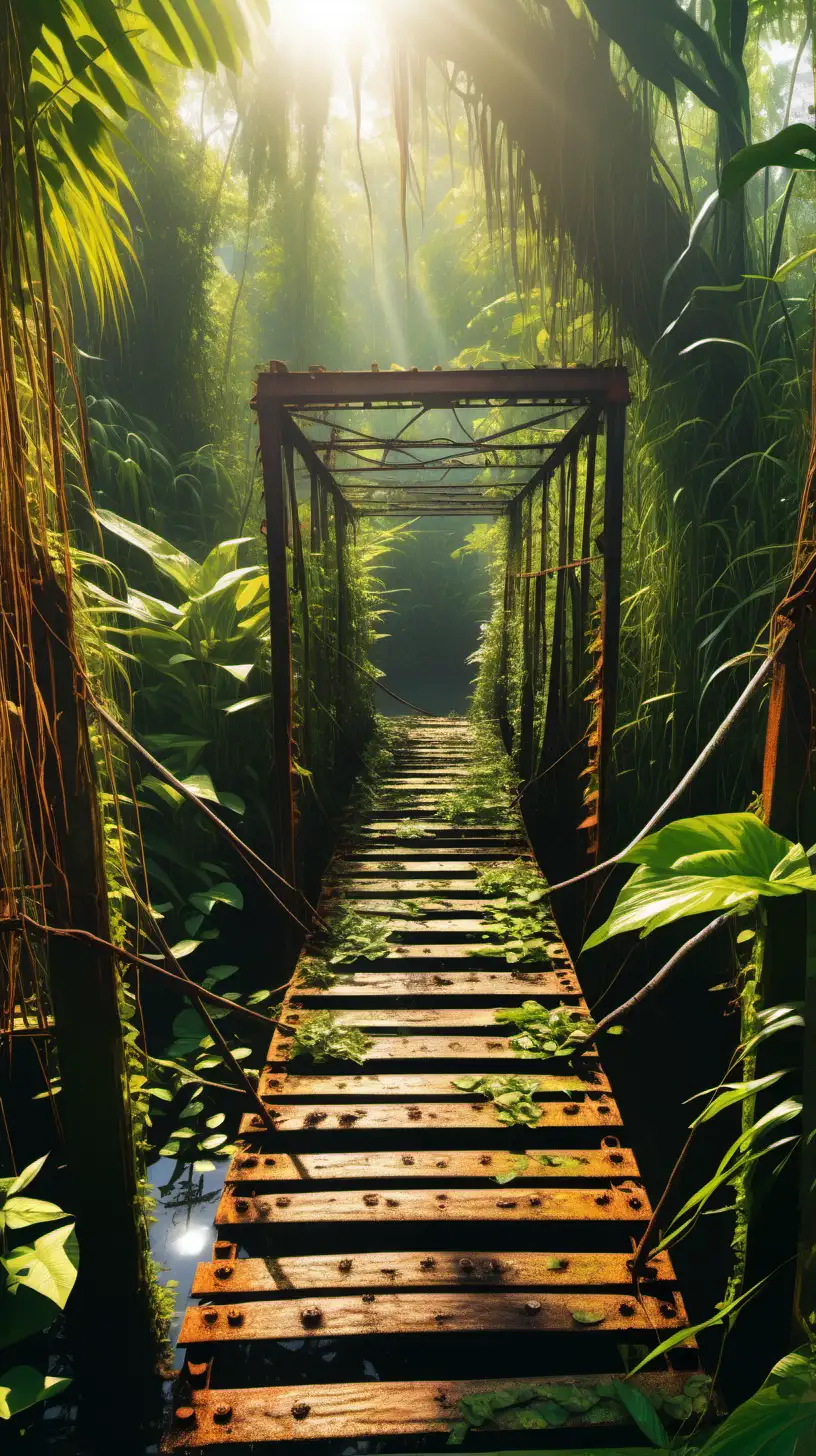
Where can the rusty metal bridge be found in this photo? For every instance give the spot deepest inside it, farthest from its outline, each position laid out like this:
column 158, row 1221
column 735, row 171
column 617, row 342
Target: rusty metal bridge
column 386, row 1248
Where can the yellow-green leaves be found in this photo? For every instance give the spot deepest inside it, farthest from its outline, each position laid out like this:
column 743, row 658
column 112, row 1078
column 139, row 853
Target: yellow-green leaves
column 712, row 864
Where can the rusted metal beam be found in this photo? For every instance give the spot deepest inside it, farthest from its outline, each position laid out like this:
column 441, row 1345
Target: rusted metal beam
column 611, row 544
column 293, row 435
column 444, row 387
column 282, row 807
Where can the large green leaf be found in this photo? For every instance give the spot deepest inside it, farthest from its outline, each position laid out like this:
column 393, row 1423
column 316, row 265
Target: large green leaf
column 48, row 1266
column 22, row 1386
column 19, row 1212
column 712, row 864
column 780, row 1420
column 786, row 149
column 166, row 558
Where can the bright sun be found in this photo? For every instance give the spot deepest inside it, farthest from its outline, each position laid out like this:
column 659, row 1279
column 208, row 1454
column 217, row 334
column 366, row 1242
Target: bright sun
column 324, row 23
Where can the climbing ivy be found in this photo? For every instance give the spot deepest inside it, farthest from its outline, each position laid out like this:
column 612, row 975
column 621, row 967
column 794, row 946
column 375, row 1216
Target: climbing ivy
column 541, row 1407
column 512, row 1097
column 516, row 910
column 484, row 792
column 319, row 1038
column 555, row 1032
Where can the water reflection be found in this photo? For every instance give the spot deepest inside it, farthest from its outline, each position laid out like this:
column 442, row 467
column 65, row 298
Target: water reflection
column 183, row 1229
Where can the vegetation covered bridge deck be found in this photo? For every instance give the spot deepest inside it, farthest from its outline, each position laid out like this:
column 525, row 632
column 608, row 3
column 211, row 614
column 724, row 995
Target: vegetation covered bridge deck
column 440, row 1194
column 431, row 1228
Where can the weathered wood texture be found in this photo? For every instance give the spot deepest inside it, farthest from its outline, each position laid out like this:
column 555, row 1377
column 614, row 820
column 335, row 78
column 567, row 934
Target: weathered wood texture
column 352, row 1220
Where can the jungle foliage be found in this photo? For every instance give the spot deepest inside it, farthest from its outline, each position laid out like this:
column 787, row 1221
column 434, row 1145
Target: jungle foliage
column 615, row 180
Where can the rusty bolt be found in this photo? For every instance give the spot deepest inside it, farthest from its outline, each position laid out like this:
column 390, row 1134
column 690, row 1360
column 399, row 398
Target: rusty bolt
column 311, row 1316
column 344, row 1266
column 368, row 1299
column 370, row 1199
column 506, row 1202
column 535, row 1202
column 486, row 1160
column 635, row 1203
column 408, row 1160
column 301, row 1410
column 250, row 1162
column 241, row 1205
column 235, row 1317
column 466, row 1265
column 222, row 1414
column 269, row 1162
column 572, row 1109
column 532, row 1306
column 223, row 1271
column 627, row 1310
column 602, row 1199
column 427, row 1264
column 185, row 1415
column 197, row 1373
column 257, row 1121
column 210, row 1316
column 443, row 1163
column 282, row 1202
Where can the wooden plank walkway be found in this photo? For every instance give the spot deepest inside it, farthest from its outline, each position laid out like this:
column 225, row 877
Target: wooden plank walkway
column 372, row 1220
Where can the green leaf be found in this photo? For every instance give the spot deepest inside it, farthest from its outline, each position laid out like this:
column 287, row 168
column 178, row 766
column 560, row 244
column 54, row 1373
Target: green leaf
column 713, row 863
column 203, row 1165
column 22, row 1386
column 48, row 1266
column 216, row 1141
column 783, row 150
column 166, row 558
column 16, row 1185
column 216, row 1120
column 18, row 1213
column 223, row 894
column 587, row 1316
column 642, row 1412
column 556, row 1263
column 737, row 1092
column 248, row 703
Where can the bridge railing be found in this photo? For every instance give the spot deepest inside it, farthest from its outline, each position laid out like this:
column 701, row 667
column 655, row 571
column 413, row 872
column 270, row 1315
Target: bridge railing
column 322, row 707
column 557, row 683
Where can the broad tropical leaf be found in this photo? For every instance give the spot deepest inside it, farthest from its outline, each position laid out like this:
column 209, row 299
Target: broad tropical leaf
column 711, row 864
column 793, row 147
column 22, row 1386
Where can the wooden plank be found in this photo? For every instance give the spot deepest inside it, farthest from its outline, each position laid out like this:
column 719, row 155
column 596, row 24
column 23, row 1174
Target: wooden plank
column 474, row 1049
column 591, row 1163
column 434, row 1270
column 424, row 981
column 430, row 1117
column 354, row 1411
column 439, row 903
column 406, row 1085
column 411, row 851
column 454, row 1204
column 420, row 864
column 455, row 950
column 415, row 1314
column 389, row 1019
column 460, row 884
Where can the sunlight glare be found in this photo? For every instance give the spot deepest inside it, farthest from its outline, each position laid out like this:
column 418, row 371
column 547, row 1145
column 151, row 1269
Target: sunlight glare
column 192, row 1241
column 328, row 24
